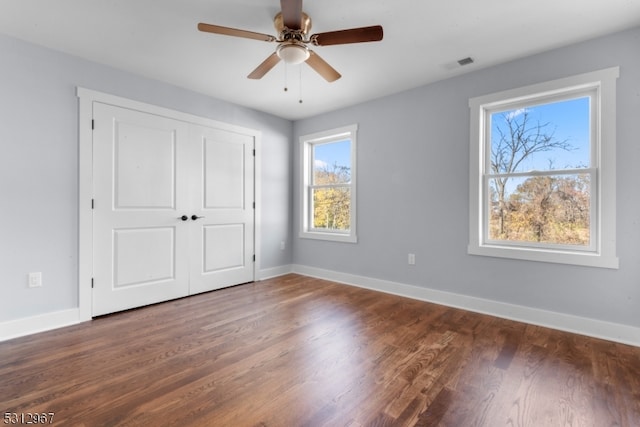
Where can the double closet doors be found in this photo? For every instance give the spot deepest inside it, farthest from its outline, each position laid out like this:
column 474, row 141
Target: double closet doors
column 173, row 208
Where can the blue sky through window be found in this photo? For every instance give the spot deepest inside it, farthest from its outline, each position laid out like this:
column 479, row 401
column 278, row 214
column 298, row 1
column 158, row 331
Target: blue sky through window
column 331, row 153
column 568, row 120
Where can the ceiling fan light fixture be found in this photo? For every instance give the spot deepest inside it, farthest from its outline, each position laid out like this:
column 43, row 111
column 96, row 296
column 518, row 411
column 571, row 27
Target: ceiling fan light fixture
column 293, row 53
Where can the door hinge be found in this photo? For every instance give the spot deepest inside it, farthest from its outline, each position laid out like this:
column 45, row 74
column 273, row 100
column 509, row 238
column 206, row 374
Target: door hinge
column 92, row 283
column 254, row 205
column 254, row 152
column 93, row 124
column 254, row 257
column 92, row 204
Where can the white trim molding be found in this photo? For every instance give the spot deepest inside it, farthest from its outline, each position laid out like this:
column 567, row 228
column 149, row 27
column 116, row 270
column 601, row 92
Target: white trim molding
column 616, row 332
column 307, row 230
column 600, row 87
column 269, row 273
column 564, row 322
column 40, row 323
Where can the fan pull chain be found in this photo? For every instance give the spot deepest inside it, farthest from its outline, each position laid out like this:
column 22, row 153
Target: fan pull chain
column 300, row 89
column 285, row 77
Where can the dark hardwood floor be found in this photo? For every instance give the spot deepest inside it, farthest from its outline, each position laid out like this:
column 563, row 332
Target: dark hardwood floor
column 297, row 351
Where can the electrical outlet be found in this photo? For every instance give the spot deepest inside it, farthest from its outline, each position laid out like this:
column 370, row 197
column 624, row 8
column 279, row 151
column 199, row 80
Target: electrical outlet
column 35, row 280
column 412, row 259
column 282, row 245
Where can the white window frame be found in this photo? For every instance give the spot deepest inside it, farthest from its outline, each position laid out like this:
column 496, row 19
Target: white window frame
column 601, row 86
column 307, row 142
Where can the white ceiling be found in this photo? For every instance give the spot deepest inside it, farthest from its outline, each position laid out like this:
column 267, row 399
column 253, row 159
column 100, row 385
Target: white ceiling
column 422, row 42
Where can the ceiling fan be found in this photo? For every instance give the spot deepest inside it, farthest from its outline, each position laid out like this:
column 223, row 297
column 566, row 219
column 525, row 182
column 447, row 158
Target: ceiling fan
column 293, row 27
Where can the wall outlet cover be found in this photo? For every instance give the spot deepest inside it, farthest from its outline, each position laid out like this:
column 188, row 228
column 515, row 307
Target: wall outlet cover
column 35, row 280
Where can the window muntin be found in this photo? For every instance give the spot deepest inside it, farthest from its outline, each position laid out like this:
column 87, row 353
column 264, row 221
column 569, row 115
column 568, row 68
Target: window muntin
column 329, row 185
column 574, row 178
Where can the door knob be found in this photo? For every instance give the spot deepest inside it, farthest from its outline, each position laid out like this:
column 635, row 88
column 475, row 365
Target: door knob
column 195, row 217
column 184, row 217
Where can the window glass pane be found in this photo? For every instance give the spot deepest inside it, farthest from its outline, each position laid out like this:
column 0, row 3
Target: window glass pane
column 332, row 163
column 552, row 209
column 543, row 137
column 332, row 208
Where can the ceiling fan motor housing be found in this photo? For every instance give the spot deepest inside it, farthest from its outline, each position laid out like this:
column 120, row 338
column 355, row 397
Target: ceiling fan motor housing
column 305, row 24
column 292, row 48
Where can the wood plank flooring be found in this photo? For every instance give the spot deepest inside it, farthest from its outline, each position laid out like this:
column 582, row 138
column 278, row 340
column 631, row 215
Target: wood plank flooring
column 298, row 351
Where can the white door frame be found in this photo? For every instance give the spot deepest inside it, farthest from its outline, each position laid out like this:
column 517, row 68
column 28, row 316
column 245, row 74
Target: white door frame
column 85, row 181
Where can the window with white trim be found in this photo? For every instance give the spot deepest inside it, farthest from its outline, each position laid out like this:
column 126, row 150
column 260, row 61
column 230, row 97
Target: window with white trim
column 329, row 185
column 542, row 181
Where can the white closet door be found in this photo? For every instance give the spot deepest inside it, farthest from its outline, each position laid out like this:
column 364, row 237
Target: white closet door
column 222, row 236
column 141, row 189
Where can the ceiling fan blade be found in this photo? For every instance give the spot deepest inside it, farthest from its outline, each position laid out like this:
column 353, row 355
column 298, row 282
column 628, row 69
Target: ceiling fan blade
column 291, row 13
column 264, row 68
column 226, row 31
column 322, row 67
column 354, row 35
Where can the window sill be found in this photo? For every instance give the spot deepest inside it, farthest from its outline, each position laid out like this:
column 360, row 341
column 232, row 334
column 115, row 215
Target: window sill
column 587, row 259
column 332, row 237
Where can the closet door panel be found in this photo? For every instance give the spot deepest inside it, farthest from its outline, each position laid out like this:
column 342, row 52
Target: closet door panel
column 224, row 187
column 140, row 192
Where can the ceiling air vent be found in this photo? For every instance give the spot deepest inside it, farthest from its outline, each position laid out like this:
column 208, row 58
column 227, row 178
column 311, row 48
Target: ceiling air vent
column 465, row 61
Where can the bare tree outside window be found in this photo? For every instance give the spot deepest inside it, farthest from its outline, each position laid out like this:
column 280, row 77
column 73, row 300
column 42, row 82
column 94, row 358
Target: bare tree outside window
column 531, row 199
column 332, row 197
column 542, row 183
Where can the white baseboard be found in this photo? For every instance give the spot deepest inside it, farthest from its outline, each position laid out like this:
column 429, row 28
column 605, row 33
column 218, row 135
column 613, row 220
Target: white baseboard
column 40, row 323
column 269, row 273
column 565, row 322
column 580, row 325
column 48, row 321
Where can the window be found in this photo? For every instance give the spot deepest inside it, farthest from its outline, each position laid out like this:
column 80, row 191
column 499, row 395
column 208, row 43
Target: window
column 543, row 172
column 329, row 185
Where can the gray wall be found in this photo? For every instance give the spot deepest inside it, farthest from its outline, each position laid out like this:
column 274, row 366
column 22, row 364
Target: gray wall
column 413, row 182
column 413, row 191
column 39, row 168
